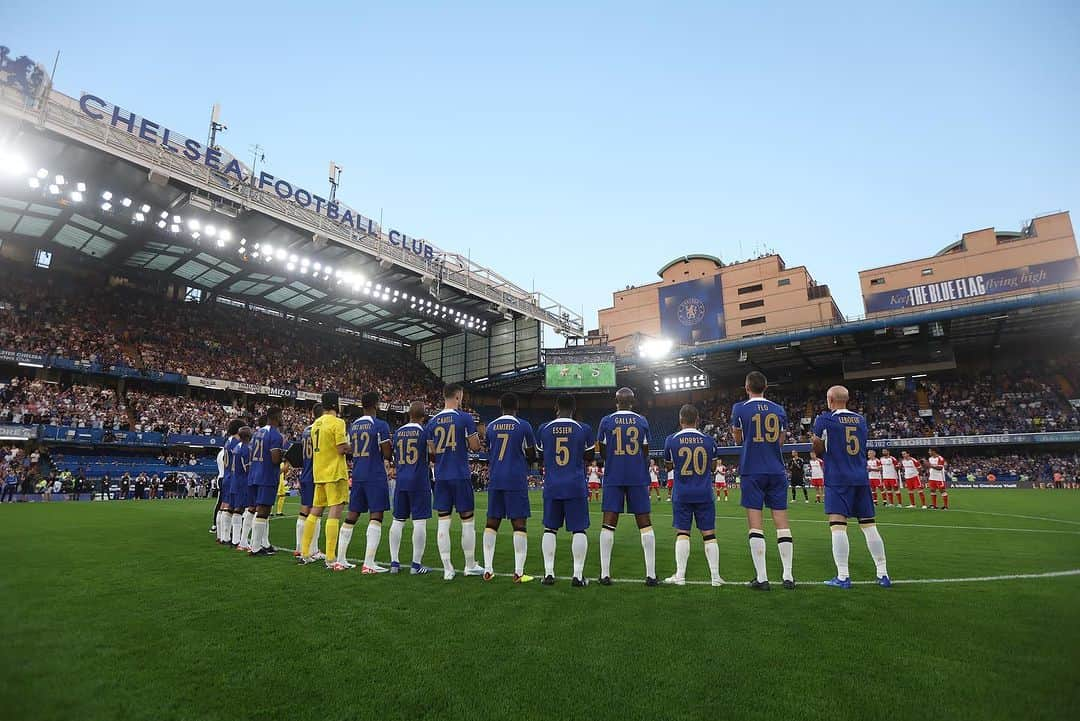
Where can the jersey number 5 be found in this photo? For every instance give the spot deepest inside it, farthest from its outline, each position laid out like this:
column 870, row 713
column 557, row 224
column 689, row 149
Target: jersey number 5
column 852, row 438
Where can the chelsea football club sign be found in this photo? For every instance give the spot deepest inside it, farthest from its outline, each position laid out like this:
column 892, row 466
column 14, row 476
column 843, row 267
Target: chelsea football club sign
column 693, row 311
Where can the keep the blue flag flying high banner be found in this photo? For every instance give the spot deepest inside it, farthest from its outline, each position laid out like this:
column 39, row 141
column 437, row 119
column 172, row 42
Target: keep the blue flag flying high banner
column 1029, row 277
column 693, row 311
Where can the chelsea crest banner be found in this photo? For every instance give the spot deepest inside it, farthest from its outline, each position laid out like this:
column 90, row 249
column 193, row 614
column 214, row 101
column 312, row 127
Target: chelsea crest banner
column 692, row 312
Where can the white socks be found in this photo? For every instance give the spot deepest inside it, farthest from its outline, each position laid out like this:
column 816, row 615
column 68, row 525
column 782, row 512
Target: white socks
column 876, row 546
column 840, row 550
column 259, row 533
column 607, row 542
column 374, row 536
column 300, row 520
column 579, row 546
column 315, row 538
column 245, row 531
column 521, row 548
column 786, row 547
column 237, row 521
column 419, row 540
column 682, row 553
column 443, row 540
column 468, row 541
column 757, row 553
column 490, row 535
column 648, row 545
column 547, row 545
column 343, row 540
column 223, row 524
column 396, row 529
column 712, row 555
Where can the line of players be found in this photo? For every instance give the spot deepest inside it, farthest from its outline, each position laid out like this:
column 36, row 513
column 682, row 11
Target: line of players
column 565, row 447
column 885, row 474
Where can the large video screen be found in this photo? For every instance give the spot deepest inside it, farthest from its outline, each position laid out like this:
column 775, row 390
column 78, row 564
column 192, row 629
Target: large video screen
column 580, row 375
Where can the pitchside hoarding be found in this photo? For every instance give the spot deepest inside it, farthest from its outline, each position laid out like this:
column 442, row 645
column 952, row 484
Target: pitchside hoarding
column 693, row 311
column 1029, row 277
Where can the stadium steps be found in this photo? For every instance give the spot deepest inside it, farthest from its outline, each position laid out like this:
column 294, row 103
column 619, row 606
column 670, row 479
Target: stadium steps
column 1066, row 387
column 923, row 399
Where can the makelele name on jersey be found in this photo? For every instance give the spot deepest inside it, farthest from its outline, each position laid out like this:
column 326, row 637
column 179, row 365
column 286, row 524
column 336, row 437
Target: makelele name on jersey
column 213, row 158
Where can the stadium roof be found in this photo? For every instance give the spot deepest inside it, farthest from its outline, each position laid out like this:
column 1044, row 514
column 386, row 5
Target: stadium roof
column 129, row 206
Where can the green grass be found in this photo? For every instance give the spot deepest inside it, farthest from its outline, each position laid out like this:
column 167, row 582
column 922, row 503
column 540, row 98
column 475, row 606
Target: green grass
column 130, row 611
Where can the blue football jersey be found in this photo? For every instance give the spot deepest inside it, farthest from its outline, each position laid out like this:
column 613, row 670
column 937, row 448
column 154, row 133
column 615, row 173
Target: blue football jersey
column 763, row 424
column 366, row 435
column 507, row 438
column 307, row 475
column 240, row 460
column 844, row 433
column 625, row 437
column 411, row 459
column 264, row 472
column 693, row 455
column 230, row 445
column 564, row 442
column 450, row 431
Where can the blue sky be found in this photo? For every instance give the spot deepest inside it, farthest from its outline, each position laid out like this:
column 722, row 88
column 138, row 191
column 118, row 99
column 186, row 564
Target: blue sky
column 580, row 146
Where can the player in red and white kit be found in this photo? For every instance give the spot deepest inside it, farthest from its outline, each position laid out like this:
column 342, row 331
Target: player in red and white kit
column 910, row 467
column 890, row 479
column 873, row 469
column 671, row 483
column 720, row 480
column 937, row 480
column 817, row 476
column 654, row 481
column 594, row 483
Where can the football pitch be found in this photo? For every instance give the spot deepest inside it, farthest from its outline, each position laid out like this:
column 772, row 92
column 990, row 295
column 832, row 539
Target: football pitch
column 129, row 610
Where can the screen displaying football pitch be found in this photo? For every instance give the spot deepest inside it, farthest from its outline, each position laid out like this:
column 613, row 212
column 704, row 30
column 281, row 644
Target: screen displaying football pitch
column 580, row 375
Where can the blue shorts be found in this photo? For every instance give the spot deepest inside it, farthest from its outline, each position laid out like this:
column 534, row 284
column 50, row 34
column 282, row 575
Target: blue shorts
column 573, row 512
column 367, row 497
column 454, row 494
column 262, row 495
column 508, row 504
column 626, row 499
column 703, row 514
column 849, row 501
column 238, row 498
column 765, row 490
column 307, row 494
column 412, row 504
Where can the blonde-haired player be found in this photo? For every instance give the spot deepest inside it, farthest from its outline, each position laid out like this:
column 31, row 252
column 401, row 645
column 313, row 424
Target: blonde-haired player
column 330, row 443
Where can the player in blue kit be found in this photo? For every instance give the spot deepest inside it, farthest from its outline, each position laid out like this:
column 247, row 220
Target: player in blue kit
column 412, row 490
column 691, row 456
column 623, row 440
column 840, row 438
column 567, row 446
column 369, row 437
column 300, row 455
column 451, row 434
column 225, row 515
column 267, row 449
column 760, row 427
column 243, row 493
column 511, row 450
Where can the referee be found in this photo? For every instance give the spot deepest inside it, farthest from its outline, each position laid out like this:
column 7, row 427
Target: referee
column 798, row 476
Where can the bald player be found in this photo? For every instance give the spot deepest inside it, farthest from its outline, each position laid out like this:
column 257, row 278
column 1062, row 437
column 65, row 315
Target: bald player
column 840, row 437
column 623, row 441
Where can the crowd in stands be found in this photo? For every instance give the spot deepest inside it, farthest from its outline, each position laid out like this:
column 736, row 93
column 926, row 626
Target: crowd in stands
column 123, row 326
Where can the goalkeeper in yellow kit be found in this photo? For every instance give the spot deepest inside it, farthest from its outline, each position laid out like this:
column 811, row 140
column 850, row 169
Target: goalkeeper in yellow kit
column 330, row 443
column 282, row 488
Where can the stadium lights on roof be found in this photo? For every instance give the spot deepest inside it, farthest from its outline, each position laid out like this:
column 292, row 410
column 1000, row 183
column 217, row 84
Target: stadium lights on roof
column 304, row 262
column 164, row 215
column 54, row 188
column 13, row 163
column 290, row 266
column 161, row 224
column 42, row 174
column 34, row 183
column 81, row 187
column 280, row 253
column 107, row 195
column 210, row 230
column 59, row 180
column 106, row 206
column 174, row 228
column 317, row 266
column 76, row 196
column 225, row 236
column 143, row 208
column 139, row 217
column 176, row 219
column 193, row 224
column 126, row 202
column 655, row 348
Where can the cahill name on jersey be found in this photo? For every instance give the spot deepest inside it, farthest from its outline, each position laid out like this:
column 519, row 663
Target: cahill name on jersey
column 449, row 431
column 366, row 436
column 762, row 423
column 844, row 434
column 507, row 438
column 625, row 436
